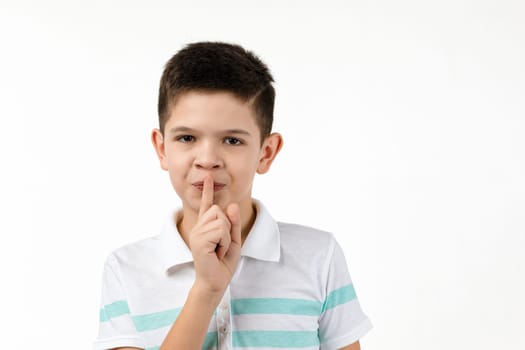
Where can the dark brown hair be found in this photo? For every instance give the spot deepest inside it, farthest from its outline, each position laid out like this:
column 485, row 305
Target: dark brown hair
column 218, row 66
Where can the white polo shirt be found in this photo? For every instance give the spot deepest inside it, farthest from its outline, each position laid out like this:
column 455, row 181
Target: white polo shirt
column 291, row 290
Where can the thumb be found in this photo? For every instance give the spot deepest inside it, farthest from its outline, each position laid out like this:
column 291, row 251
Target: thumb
column 234, row 215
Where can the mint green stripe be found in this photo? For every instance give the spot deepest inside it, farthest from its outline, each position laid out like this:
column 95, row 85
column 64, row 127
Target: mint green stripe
column 115, row 309
column 339, row 296
column 276, row 306
column 103, row 317
column 276, row 339
column 210, row 341
column 155, row 320
column 148, row 322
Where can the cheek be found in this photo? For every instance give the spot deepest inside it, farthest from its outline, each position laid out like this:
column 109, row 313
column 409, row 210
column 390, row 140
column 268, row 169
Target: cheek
column 244, row 171
column 178, row 167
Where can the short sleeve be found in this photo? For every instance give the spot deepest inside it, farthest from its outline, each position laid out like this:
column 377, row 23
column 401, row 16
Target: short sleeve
column 116, row 327
column 342, row 321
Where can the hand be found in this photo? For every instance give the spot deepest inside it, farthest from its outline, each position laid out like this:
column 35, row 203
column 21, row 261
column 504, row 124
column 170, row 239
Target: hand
column 215, row 242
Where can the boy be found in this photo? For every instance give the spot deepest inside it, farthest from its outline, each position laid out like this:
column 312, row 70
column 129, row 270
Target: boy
column 223, row 273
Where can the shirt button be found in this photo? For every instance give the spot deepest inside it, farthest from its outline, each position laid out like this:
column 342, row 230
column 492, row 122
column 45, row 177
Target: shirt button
column 224, row 307
column 224, row 329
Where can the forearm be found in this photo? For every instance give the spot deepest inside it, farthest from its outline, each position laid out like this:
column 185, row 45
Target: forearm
column 189, row 330
column 215, row 243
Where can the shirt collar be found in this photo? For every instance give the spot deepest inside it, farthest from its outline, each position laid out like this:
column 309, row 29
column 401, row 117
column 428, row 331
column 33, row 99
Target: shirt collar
column 173, row 249
column 262, row 243
column 264, row 240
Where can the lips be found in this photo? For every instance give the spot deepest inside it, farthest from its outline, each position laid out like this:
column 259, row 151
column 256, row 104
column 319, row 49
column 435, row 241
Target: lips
column 216, row 185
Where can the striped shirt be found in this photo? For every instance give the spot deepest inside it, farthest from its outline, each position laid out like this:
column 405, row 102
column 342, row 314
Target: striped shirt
column 291, row 290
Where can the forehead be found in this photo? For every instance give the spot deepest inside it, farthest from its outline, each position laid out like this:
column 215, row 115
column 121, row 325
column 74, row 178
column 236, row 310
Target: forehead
column 206, row 110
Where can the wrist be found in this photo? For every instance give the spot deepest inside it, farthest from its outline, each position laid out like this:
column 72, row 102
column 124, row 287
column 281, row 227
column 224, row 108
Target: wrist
column 204, row 293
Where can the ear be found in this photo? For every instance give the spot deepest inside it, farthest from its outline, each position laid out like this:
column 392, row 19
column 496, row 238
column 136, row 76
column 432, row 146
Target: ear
column 158, row 143
column 271, row 146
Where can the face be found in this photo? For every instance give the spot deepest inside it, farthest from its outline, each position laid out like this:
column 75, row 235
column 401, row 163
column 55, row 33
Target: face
column 213, row 133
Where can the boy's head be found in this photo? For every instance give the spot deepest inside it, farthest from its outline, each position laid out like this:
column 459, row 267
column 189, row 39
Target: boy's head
column 218, row 67
column 215, row 118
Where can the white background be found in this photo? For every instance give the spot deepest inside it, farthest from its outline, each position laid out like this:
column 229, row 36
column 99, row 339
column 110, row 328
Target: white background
column 403, row 124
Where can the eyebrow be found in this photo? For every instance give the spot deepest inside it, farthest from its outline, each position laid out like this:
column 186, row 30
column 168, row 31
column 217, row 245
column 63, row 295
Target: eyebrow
column 227, row 131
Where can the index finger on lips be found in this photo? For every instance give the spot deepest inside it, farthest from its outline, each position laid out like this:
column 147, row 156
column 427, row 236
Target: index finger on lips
column 207, row 195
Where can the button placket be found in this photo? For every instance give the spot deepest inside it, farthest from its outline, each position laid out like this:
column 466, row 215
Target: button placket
column 224, row 322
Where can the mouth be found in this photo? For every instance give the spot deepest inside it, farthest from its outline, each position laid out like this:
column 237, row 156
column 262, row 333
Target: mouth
column 217, row 186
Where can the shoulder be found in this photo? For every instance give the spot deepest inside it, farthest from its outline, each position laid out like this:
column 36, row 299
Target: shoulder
column 293, row 230
column 135, row 253
column 306, row 238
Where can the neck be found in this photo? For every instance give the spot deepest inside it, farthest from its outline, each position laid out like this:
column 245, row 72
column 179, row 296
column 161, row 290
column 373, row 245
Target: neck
column 187, row 221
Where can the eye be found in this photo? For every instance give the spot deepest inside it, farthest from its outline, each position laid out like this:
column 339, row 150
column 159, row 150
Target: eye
column 185, row 138
column 233, row 141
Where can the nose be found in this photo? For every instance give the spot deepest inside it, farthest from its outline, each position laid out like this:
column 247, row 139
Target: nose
column 207, row 156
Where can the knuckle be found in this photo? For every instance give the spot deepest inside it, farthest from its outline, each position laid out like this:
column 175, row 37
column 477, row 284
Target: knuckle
column 225, row 242
column 225, row 223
